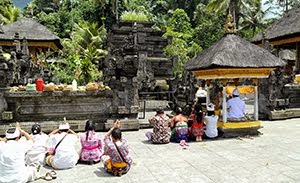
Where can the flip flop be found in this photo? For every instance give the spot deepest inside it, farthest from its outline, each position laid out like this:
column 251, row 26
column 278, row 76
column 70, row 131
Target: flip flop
column 47, row 177
column 53, row 174
column 182, row 143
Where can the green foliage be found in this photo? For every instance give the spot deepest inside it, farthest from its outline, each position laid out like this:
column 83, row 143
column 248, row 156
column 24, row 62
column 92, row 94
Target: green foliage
column 180, row 22
column 183, row 47
column 60, row 16
column 9, row 14
column 82, row 53
column 252, row 20
column 209, row 27
column 134, row 16
column 4, row 3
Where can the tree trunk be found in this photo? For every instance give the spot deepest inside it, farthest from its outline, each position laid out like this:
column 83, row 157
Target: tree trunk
column 234, row 10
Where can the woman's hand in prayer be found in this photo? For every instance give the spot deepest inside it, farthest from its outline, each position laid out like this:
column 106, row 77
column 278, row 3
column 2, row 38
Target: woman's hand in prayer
column 117, row 124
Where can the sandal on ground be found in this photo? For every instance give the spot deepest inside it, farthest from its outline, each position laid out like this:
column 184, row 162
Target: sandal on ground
column 53, row 174
column 47, row 177
column 182, row 142
column 186, row 144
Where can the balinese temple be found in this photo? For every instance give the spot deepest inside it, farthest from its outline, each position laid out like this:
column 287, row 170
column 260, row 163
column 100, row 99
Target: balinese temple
column 283, row 33
column 231, row 60
column 28, row 31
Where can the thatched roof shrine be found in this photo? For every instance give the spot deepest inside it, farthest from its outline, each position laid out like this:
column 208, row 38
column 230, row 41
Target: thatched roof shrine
column 283, row 31
column 36, row 34
column 233, row 57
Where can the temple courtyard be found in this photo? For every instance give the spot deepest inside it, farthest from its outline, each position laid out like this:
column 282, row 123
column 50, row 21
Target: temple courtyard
column 274, row 156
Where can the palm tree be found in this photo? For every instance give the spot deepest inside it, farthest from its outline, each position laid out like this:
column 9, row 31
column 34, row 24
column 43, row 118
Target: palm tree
column 252, row 18
column 225, row 6
column 9, row 14
column 84, row 50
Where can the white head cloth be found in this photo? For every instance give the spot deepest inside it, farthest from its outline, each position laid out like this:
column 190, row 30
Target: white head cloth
column 65, row 126
column 16, row 134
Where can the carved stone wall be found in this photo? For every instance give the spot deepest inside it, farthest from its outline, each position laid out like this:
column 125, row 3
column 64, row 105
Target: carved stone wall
column 135, row 61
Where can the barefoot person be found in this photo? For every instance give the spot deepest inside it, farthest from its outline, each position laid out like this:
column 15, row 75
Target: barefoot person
column 160, row 122
column 118, row 161
column 12, row 157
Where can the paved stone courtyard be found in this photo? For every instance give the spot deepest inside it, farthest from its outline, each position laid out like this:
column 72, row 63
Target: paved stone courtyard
column 273, row 156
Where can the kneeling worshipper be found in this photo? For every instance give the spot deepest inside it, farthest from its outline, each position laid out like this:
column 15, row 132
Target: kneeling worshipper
column 196, row 130
column 36, row 154
column 116, row 154
column 210, row 120
column 63, row 153
column 160, row 122
column 179, row 128
column 91, row 151
column 12, row 157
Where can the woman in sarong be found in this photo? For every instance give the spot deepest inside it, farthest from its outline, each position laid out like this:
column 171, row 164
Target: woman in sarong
column 117, row 160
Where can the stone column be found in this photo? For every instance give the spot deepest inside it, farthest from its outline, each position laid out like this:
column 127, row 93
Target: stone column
column 297, row 64
column 255, row 103
column 224, row 105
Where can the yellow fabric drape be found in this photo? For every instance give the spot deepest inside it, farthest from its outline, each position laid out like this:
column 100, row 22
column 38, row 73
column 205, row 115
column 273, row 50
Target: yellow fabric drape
column 242, row 89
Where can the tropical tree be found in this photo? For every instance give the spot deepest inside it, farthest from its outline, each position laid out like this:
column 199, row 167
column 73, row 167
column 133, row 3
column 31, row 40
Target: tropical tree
column 209, row 27
column 253, row 19
column 183, row 47
column 82, row 53
column 9, row 14
column 235, row 7
column 5, row 3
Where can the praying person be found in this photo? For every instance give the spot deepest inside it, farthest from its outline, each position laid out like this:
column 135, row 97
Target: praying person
column 63, row 153
column 210, row 120
column 235, row 106
column 36, row 154
column 118, row 161
column 179, row 128
column 12, row 157
column 160, row 122
column 196, row 129
column 91, row 150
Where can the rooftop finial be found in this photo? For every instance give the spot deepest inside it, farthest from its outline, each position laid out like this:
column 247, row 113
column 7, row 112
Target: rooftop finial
column 230, row 25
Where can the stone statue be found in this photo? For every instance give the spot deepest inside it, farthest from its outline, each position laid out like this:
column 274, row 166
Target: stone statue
column 3, row 70
column 230, row 25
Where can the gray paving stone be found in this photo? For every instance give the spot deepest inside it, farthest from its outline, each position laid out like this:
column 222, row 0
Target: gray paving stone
column 271, row 157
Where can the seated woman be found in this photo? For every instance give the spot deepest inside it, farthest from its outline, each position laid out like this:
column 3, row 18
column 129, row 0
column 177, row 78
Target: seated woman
column 91, row 150
column 196, row 129
column 118, row 161
column 235, row 107
column 160, row 122
column 179, row 128
column 36, row 154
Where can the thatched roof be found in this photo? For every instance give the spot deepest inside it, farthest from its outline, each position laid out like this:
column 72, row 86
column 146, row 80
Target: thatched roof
column 288, row 25
column 31, row 30
column 231, row 51
column 287, row 55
